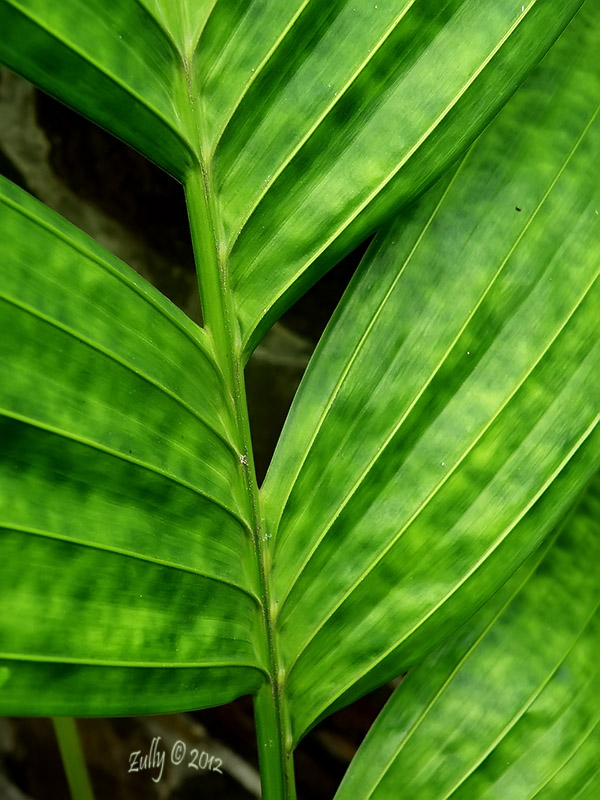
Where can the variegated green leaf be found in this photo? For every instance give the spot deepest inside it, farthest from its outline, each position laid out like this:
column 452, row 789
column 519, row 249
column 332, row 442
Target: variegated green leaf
column 447, row 421
column 448, row 417
column 509, row 707
column 127, row 571
column 306, row 123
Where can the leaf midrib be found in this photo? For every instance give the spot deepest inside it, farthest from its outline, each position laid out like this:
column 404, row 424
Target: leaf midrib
column 125, row 457
column 524, row 708
column 253, row 76
column 448, row 680
column 265, row 188
column 80, row 337
column 575, row 750
column 219, row 313
column 182, row 324
column 88, row 662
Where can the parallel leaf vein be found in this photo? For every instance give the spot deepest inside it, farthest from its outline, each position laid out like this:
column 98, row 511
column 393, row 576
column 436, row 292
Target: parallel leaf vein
column 91, row 662
column 101, row 68
column 198, row 337
column 524, row 708
column 80, row 337
column 482, row 560
column 317, row 123
column 431, row 703
column 257, row 71
column 356, row 352
column 120, row 551
column 581, row 743
column 445, row 355
column 434, row 491
column 375, row 192
column 126, row 458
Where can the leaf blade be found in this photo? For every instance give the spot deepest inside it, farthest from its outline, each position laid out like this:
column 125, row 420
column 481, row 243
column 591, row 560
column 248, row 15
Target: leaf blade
column 115, row 65
column 308, row 121
column 122, row 491
column 531, row 686
column 445, row 403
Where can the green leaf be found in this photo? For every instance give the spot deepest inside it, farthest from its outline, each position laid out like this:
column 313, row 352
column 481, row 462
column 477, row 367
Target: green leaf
column 447, row 419
column 313, row 121
column 113, row 62
column 350, row 114
column 509, row 706
column 127, row 571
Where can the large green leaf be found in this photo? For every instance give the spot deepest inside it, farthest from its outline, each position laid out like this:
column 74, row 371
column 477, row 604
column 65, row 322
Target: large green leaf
column 125, row 546
column 313, row 121
column 358, row 107
column 510, row 706
column 445, row 424
column 448, row 416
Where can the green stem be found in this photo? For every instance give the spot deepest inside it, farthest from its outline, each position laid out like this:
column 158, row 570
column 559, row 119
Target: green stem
column 72, row 758
column 276, row 761
column 220, row 324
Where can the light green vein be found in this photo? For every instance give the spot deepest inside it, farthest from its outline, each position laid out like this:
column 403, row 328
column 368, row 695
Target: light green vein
column 127, row 459
column 253, row 76
column 432, row 494
column 314, row 127
column 445, row 355
column 571, row 755
column 370, row 197
column 87, row 662
column 415, row 725
column 182, row 324
column 354, row 355
column 525, row 707
column 590, row 782
column 493, row 547
column 162, row 27
column 86, row 58
column 122, row 362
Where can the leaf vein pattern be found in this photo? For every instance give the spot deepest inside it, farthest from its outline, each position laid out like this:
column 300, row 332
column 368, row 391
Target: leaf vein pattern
column 314, row 127
column 380, row 556
column 90, row 662
column 361, row 344
column 127, row 459
column 581, row 743
column 257, row 71
column 524, row 708
column 494, row 546
column 104, row 548
column 444, row 686
column 161, row 25
column 199, row 337
column 372, row 195
column 436, row 369
column 593, row 779
column 86, row 57
column 122, row 362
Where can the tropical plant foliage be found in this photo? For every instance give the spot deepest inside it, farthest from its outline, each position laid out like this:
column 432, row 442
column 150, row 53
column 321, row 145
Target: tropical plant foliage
column 430, row 506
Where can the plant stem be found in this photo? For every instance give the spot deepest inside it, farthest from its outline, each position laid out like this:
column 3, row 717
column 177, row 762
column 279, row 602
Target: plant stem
column 219, row 321
column 72, row 758
column 276, row 761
